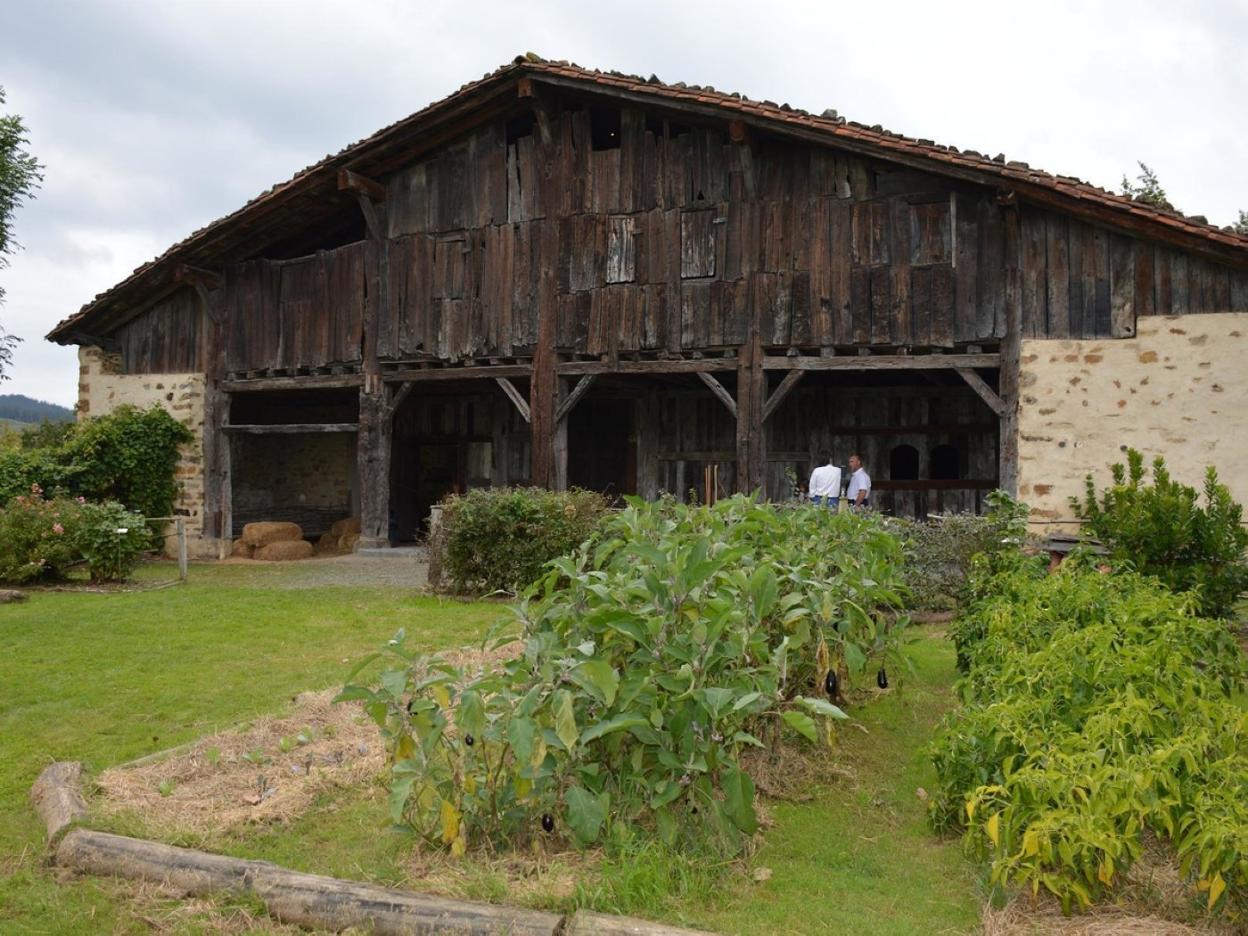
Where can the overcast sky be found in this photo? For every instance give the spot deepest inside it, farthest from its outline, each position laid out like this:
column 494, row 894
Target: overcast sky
column 154, row 118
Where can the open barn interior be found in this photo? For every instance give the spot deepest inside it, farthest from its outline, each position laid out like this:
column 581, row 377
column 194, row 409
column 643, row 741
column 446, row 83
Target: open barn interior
column 293, row 457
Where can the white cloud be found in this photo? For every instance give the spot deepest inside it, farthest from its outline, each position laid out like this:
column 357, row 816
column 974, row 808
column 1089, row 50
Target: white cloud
column 154, row 117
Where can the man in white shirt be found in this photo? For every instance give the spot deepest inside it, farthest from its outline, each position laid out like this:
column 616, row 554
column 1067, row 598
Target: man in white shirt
column 859, row 492
column 825, row 483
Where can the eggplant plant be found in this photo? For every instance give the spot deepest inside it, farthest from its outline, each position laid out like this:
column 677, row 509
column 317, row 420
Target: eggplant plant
column 653, row 657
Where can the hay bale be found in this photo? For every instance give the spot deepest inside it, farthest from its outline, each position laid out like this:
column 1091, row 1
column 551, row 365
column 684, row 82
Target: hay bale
column 327, row 544
column 271, row 531
column 285, row 549
column 242, row 549
column 346, row 544
column 345, row 527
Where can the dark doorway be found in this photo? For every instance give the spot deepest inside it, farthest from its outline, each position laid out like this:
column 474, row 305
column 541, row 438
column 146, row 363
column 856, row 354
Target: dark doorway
column 602, row 446
column 903, row 463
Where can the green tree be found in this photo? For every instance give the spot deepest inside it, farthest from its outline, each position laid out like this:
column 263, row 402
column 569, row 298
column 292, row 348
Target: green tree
column 1241, row 226
column 20, row 175
column 1146, row 188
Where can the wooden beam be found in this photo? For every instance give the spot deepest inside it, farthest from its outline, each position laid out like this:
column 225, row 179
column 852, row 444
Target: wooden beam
column 371, row 221
column 307, row 382
column 1011, row 349
column 720, row 391
column 678, row 366
column 399, row 396
column 566, row 405
column 986, row 393
column 195, row 276
column 882, row 362
column 349, row 181
column 484, row 372
column 293, row 428
column 791, row 380
column 515, row 396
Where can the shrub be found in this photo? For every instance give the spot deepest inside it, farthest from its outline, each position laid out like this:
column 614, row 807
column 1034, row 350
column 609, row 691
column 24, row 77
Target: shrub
column 111, row 539
column 1161, row 530
column 652, row 657
column 128, row 456
column 37, row 537
column 939, row 550
column 499, row 539
column 1096, row 707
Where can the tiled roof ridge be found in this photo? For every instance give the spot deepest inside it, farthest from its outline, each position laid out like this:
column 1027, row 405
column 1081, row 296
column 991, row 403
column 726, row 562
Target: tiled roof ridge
column 829, row 121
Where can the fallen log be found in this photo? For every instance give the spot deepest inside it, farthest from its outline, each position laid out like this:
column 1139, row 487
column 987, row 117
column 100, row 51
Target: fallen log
column 292, row 896
column 587, row 923
column 57, row 795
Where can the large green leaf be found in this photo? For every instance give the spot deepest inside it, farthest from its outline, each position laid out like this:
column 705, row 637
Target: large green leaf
column 522, row 733
column 605, row 727
column 802, row 723
column 586, row 814
column 470, row 716
column 565, row 720
column 599, row 677
column 822, row 707
column 739, row 799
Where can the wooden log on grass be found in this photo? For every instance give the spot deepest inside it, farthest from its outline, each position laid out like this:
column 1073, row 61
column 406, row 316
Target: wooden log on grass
column 585, row 923
column 293, row 897
column 57, row 795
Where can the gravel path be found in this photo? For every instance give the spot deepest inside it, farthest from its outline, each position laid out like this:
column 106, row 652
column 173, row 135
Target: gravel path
column 401, row 568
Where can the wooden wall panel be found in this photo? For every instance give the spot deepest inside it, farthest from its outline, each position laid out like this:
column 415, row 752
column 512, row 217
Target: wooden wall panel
column 165, row 339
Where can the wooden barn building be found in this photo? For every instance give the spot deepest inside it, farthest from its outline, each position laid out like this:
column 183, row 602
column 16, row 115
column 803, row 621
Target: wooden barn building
column 558, row 277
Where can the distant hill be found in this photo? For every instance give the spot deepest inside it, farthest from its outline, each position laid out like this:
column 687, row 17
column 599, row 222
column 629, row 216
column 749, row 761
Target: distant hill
column 14, row 407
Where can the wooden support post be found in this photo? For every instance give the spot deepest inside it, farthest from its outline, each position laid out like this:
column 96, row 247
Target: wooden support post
column 543, row 384
column 791, row 380
column 179, row 526
column 721, row 392
column 515, row 396
column 751, row 387
column 649, row 436
column 559, row 442
column 1011, row 350
column 215, row 523
column 581, row 388
column 372, row 447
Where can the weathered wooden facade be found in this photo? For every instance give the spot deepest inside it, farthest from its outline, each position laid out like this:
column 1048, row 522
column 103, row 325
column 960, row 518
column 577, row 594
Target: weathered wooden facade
column 560, row 277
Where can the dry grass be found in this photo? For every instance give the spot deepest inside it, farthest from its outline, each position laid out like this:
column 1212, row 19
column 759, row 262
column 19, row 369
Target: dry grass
column 269, row 771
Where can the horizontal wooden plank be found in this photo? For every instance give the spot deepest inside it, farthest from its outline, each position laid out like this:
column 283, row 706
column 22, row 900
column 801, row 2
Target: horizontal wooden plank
column 883, row 362
column 293, row 428
column 307, row 382
column 681, row 366
column 483, row 372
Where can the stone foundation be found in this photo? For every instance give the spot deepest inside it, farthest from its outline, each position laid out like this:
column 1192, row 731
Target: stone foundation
column 1178, row 389
column 102, row 388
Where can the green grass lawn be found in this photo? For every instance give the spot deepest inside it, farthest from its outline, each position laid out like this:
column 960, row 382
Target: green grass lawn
column 107, row 678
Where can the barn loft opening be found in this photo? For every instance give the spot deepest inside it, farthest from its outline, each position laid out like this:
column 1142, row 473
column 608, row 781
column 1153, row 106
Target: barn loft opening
column 519, row 127
column 604, row 128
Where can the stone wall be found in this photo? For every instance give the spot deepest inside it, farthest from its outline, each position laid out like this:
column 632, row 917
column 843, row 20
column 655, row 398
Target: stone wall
column 102, row 388
column 280, row 477
column 1178, row 389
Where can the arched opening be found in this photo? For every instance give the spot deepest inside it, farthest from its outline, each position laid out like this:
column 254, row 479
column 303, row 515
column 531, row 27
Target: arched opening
column 903, row 463
column 945, row 465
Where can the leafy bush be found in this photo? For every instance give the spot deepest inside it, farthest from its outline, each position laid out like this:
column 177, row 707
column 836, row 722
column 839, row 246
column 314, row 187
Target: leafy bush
column 111, row 539
column 652, row 657
column 1161, row 530
column 939, row 550
column 36, row 538
column 1096, row 707
column 128, row 456
column 499, row 539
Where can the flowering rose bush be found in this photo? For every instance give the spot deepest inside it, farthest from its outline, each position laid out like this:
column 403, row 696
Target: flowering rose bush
column 42, row 538
column 37, row 537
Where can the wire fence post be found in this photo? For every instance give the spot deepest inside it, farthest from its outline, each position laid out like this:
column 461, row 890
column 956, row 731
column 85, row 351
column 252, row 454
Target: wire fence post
column 180, row 524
